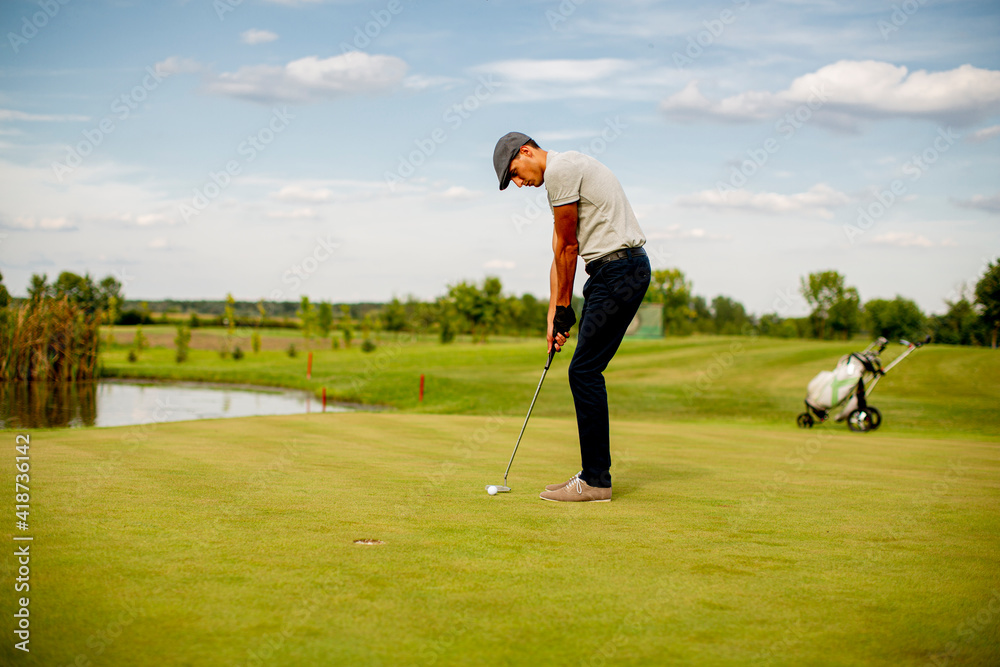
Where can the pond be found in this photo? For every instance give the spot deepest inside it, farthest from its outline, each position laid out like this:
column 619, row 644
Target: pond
column 127, row 402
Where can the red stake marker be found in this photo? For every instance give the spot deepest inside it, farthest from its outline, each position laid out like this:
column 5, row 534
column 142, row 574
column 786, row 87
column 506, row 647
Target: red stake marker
column 421, row 387
column 309, row 368
column 324, row 399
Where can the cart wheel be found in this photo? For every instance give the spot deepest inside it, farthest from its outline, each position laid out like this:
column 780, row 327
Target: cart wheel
column 876, row 417
column 805, row 420
column 860, row 421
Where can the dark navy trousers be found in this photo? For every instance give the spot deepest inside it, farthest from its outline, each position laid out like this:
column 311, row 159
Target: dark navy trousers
column 612, row 296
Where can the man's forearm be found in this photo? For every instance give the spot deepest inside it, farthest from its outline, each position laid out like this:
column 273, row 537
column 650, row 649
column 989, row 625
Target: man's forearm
column 553, row 289
column 564, row 252
column 563, row 275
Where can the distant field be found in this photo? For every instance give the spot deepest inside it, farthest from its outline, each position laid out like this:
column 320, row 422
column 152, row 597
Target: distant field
column 206, row 338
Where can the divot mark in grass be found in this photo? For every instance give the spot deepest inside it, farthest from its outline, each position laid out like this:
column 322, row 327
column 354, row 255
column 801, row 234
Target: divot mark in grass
column 369, row 540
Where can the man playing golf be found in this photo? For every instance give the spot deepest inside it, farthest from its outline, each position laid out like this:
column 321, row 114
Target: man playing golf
column 593, row 220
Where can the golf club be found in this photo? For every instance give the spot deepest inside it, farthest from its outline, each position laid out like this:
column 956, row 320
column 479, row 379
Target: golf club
column 503, row 488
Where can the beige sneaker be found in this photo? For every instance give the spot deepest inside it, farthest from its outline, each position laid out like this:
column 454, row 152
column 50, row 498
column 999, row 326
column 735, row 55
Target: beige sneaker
column 556, row 487
column 577, row 490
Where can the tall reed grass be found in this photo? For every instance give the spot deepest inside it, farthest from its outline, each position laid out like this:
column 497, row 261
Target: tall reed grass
column 48, row 340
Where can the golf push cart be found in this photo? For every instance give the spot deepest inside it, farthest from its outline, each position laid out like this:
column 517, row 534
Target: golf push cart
column 843, row 391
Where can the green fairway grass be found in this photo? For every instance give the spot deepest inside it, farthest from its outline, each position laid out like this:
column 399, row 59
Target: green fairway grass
column 734, row 538
column 228, row 541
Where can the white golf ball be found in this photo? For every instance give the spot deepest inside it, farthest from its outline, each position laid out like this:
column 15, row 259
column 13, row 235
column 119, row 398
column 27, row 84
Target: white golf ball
column 492, row 490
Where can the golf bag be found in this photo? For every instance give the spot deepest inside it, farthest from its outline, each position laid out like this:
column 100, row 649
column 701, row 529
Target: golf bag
column 843, row 392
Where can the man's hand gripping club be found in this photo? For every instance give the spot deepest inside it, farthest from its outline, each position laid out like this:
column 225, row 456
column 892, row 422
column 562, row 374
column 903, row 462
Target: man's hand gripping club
column 562, row 322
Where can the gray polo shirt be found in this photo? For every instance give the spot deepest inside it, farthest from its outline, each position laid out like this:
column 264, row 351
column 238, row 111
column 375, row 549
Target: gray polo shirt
column 606, row 221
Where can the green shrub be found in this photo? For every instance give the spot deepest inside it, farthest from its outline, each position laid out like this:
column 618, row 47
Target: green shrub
column 140, row 342
column 133, row 317
column 183, row 342
column 447, row 332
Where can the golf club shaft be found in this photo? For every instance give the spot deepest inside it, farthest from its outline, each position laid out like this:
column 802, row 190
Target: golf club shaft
column 530, row 408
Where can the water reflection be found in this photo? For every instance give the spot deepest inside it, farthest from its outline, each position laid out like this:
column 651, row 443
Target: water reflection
column 117, row 403
column 47, row 404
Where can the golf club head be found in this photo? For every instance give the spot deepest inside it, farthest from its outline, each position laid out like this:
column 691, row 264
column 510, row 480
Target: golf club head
column 500, row 488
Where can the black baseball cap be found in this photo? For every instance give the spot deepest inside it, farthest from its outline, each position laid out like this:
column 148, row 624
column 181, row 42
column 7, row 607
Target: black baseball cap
column 506, row 150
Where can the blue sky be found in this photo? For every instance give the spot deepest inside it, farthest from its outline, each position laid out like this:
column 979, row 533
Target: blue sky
column 343, row 149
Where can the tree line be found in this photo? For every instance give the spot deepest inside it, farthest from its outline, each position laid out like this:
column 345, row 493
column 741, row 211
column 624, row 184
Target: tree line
column 483, row 309
column 837, row 312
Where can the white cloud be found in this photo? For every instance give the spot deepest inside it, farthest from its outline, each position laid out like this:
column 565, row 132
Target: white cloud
column 312, row 79
column 817, row 200
column 54, row 224
column 847, row 91
column 158, row 243
column 297, row 193
column 989, row 203
column 324, row 191
column 559, row 71
column 984, row 134
column 11, row 114
column 254, row 36
column 144, row 220
column 297, row 214
column 675, row 233
column 178, row 65
column 459, row 193
column 499, row 264
column 603, row 78
column 420, row 82
column 544, row 136
column 98, row 194
column 154, row 219
column 903, row 240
